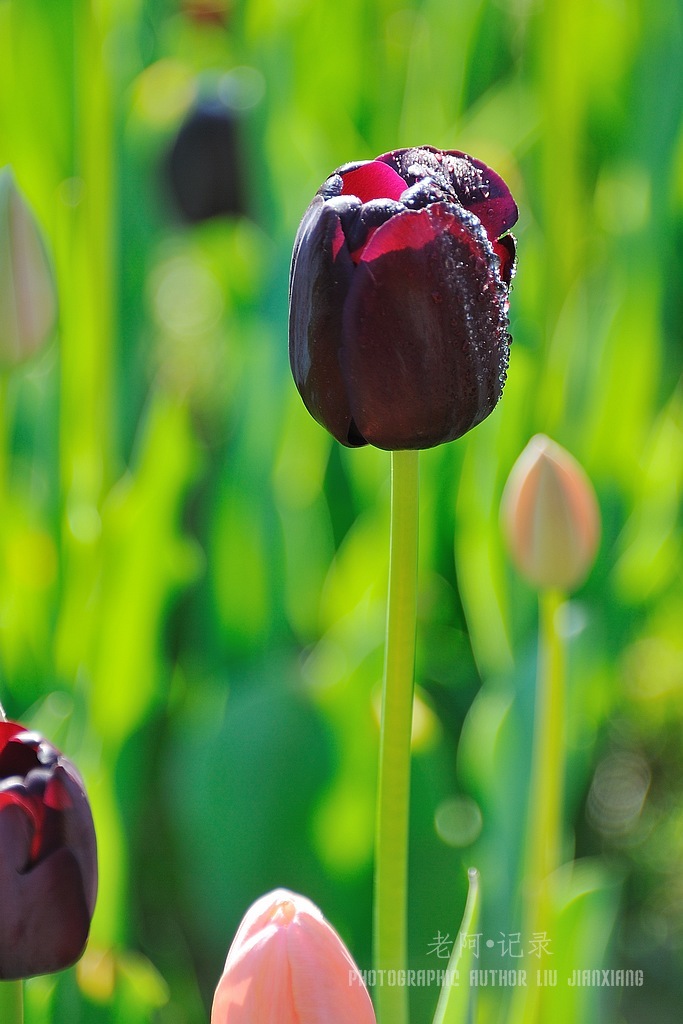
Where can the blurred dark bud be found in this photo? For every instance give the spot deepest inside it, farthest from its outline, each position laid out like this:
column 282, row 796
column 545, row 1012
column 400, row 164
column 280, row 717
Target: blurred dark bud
column 550, row 516
column 209, row 12
column 28, row 299
column 204, row 164
column 398, row 323
column 48, row 857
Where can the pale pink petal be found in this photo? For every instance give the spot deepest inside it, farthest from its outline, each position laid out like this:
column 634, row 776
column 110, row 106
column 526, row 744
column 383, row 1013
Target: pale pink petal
column 256, row 988
column 287, row 965
column 325, row 981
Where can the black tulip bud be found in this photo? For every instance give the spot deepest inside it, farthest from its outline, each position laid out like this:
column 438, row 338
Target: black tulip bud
column 204, row 167
column 48, row 857
column 398, row 324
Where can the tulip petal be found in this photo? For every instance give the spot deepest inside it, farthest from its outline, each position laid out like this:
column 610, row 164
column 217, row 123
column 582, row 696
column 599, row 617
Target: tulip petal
column 486, row 195
column 260, row 916
column 474, row 183
column 506, row 251
column 287, row 965
column 373, row 180
column 44, row 921
column 76, row 826
column 326, row 984
column 321, row 274
column 257, row 988
column 425, row 342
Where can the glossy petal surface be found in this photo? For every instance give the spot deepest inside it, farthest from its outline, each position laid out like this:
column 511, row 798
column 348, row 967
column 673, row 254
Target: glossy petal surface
column 425, row 351
column 321, row 275
column 374, row 180
column 476, row 186
column 287, row 965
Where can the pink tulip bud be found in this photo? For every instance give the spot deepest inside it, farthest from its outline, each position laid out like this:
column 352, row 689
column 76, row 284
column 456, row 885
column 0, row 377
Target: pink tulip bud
column 550, row 516
column 28, row 301
column 287, row 965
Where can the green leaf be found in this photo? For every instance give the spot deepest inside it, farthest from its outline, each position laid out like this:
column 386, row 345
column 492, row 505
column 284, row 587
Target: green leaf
column 454, row 1006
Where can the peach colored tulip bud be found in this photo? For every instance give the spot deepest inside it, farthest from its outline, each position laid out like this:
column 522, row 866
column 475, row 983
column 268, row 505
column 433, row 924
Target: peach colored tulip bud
column 28, row 302
column 550, row 516
column 287, row 965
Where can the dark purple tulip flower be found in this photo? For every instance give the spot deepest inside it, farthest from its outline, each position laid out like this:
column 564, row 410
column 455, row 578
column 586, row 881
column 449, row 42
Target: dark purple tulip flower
column 48, row 857
column 398, row 323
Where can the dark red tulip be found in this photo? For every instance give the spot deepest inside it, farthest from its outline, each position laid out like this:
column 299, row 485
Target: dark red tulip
column 48, row 857
column 398, row 323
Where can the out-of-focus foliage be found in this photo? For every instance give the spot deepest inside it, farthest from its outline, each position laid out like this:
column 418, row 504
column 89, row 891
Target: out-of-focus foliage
column 193, row 574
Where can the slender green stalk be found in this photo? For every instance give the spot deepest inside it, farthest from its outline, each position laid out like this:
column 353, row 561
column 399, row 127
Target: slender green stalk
column 11, row 992
column 544, row 825
column 12, row 1002
column 4, row 435
column 391, row 838
column 85, row 250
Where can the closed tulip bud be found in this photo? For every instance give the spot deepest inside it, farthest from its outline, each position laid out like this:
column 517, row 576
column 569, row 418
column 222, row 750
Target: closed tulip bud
column 28, row 302
column 48, row 858
column 398, row 324
column 287, row 965
column 550, row 516
column 204, row 163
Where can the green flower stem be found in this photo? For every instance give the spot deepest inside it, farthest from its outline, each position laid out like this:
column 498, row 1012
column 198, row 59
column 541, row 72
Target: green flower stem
column 12, row 1002
column 544, row 826
column 7, row 402
column 4, row 435
column 85, row 250
column 11, row 992
column 391, row 838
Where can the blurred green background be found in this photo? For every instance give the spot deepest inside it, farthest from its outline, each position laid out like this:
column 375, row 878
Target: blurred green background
column 193, row 575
